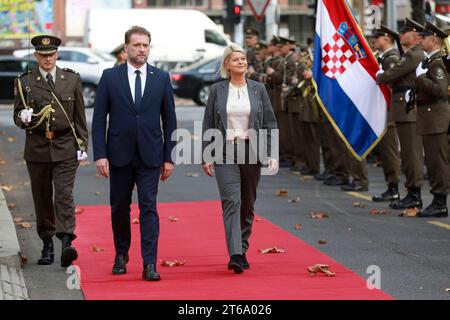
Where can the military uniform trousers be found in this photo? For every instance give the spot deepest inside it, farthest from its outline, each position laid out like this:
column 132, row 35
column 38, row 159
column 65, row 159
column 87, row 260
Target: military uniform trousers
column 295, row 131
column 388, row 149
column 339, row 157
column 326, row 135
column 312, row 146
column 55, row 211
column 411, row 153
column 437, row 162
column 237, row 187
column 358, row 170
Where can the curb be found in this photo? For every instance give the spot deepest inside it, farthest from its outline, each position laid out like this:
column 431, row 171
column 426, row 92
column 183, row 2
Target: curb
column 9, row 244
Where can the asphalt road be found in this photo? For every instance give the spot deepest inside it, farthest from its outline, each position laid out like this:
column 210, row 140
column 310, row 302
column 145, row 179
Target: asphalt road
column 413, row 255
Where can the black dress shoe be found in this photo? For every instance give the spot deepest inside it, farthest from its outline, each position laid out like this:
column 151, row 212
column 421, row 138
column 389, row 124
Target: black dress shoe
column 245, row 263
column 336, row 181
column 236, row 263
column 354, row 187
column 68, row 253
column 120, row 264
column 411, row 200
column 437, row 208
column 47, row 254
column 150, row 274
column 323, row 176
column 391, row 194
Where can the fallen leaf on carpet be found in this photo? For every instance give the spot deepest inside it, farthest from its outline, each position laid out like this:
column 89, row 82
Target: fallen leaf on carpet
column 294, row 200
column 282, row 193
column 298, row 227
column 97, row 193
column 272, row 250
column 135, row 221
column 12, row 139
column 305, row 178
column 79, row 210
column 173, row 219
column 192, row 174
column 408, row 213
column 258, row 219
column 322, row 241
column 12, row 206
column 175, row 263
column 2, row 162
column 25, row 225
column 320, row 268
column 319, row 215
column 97, row 249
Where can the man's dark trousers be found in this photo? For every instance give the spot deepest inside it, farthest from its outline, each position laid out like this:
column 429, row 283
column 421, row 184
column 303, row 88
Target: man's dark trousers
column 122, row 184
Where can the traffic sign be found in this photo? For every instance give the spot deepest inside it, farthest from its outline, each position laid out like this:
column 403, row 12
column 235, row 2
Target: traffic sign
column 258, row 8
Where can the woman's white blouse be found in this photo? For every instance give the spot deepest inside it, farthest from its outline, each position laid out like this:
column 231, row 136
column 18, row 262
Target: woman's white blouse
column 238, row 112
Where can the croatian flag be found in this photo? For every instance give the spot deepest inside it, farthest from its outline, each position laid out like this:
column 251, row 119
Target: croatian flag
column 344, row 76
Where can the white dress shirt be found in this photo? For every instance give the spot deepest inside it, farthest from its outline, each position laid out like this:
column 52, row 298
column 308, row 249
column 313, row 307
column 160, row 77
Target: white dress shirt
column 132, row 77
column 238, row 112
column 44, row 74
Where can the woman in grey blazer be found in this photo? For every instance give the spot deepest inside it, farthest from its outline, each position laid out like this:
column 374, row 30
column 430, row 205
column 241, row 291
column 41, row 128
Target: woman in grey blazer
column 240, row 119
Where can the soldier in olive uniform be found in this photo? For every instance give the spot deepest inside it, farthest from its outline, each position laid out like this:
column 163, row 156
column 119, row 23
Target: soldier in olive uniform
column 120, row 54
column 49, row 107
column 257, row 70
column 278, row 74
column 401, row 78
column 388, row 147
column 433, row 118
column 251, row 39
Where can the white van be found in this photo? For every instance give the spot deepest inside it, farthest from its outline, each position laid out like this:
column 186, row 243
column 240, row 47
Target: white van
column 179, row 37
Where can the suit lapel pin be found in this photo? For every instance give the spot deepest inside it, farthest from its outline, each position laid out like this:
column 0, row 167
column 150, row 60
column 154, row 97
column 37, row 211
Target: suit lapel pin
column 38, row 78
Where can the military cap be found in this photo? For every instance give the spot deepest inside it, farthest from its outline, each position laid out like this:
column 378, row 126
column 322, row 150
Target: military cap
column 432, row 30
column 411, row 25
column 285, row 41
column 45, row 44
column 118, row 49
column 274, row 41
column 251, row 32
column 385, row 32
column 259, row 46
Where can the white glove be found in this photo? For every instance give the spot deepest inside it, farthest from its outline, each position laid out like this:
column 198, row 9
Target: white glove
column 381, row 71
column 420, row 71
column 81, row 155
column 25, row 115
column 408, row 95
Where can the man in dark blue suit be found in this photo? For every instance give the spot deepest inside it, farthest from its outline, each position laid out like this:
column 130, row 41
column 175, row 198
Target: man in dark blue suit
column 134, row 149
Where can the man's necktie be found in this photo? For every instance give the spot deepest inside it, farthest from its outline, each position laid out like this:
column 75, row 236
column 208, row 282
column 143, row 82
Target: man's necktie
column 138, row 91
column 50, row 81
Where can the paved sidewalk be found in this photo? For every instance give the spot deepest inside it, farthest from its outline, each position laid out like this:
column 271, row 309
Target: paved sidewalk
column 12, row 283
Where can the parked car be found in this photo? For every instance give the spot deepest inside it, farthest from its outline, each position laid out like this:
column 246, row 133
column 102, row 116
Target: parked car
column 194, row 82
column 10, row 68
column 88, row 62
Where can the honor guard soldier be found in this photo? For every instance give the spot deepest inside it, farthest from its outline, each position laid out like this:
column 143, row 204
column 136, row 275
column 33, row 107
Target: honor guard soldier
column 120, row 55
column 251, row 39
column 401, row 78
column 433, row 118
column 49, row 107
column 388, row 148
column 256, row 71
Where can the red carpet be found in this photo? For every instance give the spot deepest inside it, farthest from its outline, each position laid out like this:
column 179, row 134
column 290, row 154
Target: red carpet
column 198, row 238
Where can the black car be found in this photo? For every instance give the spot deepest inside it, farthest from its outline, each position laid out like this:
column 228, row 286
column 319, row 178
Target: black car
column 194, row 81
column 10, row 68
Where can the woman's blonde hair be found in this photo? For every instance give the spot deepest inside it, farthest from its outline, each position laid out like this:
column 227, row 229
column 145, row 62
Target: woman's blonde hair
column 226, row 54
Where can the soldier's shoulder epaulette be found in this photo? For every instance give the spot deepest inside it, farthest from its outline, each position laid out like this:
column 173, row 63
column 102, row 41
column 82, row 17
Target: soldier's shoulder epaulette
column 70, row 70
column 23, row 74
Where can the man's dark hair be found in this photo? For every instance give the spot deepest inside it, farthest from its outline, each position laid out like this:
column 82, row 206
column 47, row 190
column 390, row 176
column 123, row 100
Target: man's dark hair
column 137, row 30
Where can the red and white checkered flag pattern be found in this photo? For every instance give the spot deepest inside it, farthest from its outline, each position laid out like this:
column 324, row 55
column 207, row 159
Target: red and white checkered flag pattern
column 337, row 57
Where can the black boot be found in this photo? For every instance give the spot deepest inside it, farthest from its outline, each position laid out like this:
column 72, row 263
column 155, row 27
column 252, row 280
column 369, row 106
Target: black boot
column 47, row 254
column 391, row 194
column 68, row 253
column 437, row 208
column 245, row 263
column 412, row 200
